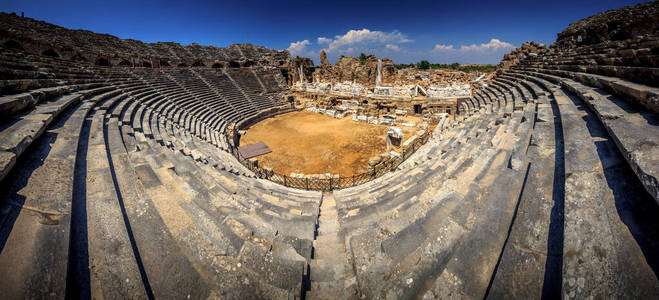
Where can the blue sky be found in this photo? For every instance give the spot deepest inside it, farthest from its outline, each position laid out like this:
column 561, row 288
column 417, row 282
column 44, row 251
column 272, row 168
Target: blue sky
column 405, row 31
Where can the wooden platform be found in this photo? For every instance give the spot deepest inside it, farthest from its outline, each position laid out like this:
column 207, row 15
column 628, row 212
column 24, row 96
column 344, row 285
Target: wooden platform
column 253, row 150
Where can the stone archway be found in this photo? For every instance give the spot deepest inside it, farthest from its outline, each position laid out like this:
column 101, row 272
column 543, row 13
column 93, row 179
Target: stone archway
column 103, row 62
column 198, row 63
column 50, row 53
column 78, row 57
column 249, row 63
column 11, row 44
column 234, row 64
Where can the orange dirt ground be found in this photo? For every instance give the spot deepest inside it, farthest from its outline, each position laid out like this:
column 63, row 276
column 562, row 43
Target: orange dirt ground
column 311, row 143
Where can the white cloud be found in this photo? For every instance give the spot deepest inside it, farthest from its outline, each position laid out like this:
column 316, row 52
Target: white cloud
column 390, row 44
column 324, row 40
column 490, row 52
column 392, row 47
column 298, row 48
column 440, row 47
column 494, row 44
column 366, row 37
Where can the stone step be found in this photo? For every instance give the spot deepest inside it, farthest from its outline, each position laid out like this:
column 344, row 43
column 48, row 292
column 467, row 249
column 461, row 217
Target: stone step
column 346, row 289
column 159, row 252
column 329, row 271
column 27, row 128
column 13, row 104
column 535, row 238
column 638, row 94
column 202, row 237
column 631, row 128
column 42, row 207
column 410, row 282
column 113, row 266
column 589, row 200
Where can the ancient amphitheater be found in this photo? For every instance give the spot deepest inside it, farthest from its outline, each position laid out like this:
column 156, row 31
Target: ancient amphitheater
column 121, row 176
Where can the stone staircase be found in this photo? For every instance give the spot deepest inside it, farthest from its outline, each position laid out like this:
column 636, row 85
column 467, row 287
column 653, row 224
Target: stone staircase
column 331, row 271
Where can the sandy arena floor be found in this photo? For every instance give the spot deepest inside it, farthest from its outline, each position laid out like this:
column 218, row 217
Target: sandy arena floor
column 311, row 143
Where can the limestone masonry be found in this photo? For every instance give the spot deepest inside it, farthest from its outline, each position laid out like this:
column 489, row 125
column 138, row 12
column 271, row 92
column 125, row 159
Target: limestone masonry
column 120, row 175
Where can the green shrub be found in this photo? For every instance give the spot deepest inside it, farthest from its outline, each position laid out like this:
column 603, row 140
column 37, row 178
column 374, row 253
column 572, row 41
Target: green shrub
column 423, row 65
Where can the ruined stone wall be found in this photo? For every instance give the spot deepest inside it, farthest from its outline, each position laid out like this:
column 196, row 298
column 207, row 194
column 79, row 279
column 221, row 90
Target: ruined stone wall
column 614, row 25
column 41, row 38
column 527, row 49
column 349, row 68
column 618, row 43
column 294, row 65
column 434, row 77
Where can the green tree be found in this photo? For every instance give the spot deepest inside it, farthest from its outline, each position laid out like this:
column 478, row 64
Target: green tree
column 362, row 58
column 423, row 65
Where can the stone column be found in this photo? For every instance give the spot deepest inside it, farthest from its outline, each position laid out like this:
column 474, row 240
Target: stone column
column 302, row 74
column 378, row 78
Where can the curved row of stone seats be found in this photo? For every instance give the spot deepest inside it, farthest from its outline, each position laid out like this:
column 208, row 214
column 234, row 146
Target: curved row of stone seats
column 218, row 103
column 151, row 211
column 639, row 51
column 48, row 74
column 577, row 231
column 428, row 152
column 89, row 43
column 270, row 80
column 633, row 59
column 417, row 218
column 642, row 75
column 635, row 119
column 165, row 108
column 26, row 116
column 464, row 109
column 631, row 126
column 523, row 92
column 188, row 102
column 643, row 95
column 259, row 210
column 512, row 97
column 18, row 63
column 483, row 100
column 230, row 91
column 17, row 77
column 199, row 91
column 150, row 121
column 37, row 195
column 252, row 86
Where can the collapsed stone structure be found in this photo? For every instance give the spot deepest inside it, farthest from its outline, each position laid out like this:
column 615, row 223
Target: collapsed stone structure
column 351, row 69
column 376, row 83
column 41, row 38
column 119, row 181
column 381, row 88
column 527, row 49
